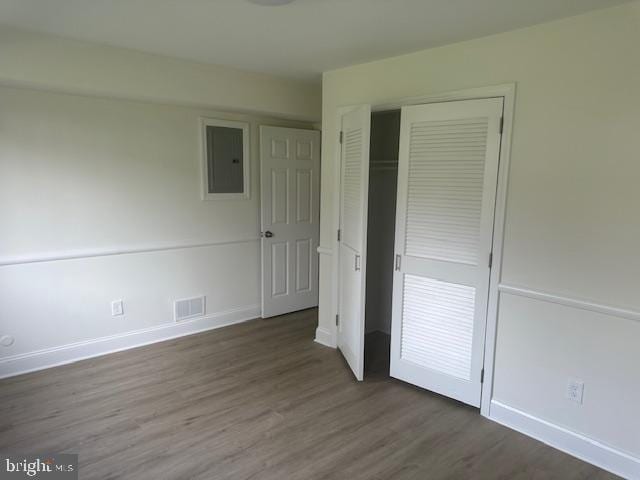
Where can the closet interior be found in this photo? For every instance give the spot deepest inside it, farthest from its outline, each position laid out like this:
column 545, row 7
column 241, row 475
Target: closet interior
column 383, row 175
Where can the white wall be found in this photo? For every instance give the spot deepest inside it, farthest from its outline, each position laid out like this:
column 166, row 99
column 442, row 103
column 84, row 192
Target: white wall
column 87, row 176
column 54, row 63
column 572, row 226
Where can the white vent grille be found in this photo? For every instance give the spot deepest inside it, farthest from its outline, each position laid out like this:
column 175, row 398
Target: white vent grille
column 187, row 308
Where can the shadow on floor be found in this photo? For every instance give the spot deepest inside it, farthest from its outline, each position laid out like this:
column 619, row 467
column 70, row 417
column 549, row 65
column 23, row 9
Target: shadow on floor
column 377, row 348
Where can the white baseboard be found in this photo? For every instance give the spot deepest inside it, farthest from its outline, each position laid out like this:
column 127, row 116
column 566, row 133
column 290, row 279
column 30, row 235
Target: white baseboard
column 575, row 444
column 324, row 337
column 52, row 357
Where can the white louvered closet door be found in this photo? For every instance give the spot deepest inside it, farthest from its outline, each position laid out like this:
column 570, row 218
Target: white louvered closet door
column 354, row 191
column 447, row 179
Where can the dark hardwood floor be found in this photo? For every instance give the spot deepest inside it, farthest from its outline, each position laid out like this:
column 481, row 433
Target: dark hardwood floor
column 260, row 400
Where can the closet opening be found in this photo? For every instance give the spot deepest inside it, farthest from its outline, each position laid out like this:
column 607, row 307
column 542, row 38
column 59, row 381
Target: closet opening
column 383, row 176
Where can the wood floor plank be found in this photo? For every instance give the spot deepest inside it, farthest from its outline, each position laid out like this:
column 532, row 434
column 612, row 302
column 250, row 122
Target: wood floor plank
column 261, row 400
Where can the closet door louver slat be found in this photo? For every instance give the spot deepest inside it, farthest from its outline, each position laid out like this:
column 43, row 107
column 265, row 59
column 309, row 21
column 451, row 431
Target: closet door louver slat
column 432, row 206
column 438, row 325
column 352, row 189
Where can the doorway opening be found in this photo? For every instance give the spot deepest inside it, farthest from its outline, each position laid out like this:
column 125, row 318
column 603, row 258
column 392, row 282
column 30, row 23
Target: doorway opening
column 450, row 202
column 420, row 189
column 383, row 181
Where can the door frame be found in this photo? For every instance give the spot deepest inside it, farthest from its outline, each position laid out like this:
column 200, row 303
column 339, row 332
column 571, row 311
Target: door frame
column 508, row 92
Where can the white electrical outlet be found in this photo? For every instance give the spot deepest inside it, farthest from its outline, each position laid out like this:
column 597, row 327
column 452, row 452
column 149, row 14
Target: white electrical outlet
column 575, row 390
column 117, row 308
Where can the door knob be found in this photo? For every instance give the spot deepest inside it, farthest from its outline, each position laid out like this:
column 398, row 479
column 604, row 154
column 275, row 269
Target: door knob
column 268, row 234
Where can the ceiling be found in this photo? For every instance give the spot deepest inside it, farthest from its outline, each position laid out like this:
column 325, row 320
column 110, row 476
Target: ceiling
column 298, row 40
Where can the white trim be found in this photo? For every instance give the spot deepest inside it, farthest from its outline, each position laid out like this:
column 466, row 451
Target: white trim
column 324, row 250
column 246, row 159
column 324, row 337
column 508, row 92
column 573, row 443
column 52, row 357
column 571, row 302
column 490, row 91
column 122, row 250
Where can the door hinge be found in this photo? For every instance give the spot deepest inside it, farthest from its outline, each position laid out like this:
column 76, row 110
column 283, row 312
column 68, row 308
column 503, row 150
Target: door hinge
column 398, row 263
column 337, row 320
column 490, row 259
column 501, row 125
column 482, row 376
column 341, row 136
column 339, row 234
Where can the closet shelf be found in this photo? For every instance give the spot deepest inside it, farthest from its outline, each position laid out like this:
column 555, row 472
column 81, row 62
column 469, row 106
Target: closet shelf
column 384, row 165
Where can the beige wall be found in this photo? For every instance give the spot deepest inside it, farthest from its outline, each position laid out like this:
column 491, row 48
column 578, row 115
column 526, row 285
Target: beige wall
column 48, row 62
column 81, row 172
column 82, row 175
column 572, row 226
column 88, row 166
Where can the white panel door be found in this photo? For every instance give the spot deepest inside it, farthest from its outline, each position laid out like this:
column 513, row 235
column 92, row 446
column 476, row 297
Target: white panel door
column 447, row 177
column 290, row 197
column 354, row 191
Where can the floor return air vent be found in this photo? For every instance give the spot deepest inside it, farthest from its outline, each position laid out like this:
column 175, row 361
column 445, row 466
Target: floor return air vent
column 187, row 308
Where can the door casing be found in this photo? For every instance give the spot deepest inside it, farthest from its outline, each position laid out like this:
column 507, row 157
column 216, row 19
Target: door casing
column 507, row 92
